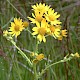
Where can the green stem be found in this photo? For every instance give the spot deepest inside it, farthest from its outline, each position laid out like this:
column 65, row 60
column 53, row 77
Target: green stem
column 35, row 72
column 34, row 64
column 37, row 42
column 22, row 53
column 61, row 61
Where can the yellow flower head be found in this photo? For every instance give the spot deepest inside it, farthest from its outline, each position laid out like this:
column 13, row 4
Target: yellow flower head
column 16, row 27
column 35, row 61
column 77, row 55
column 38, row 58
column 41, row 30
column 52, row 17
column 37, row 17
column 55, row 31
column 64, row 33
column 5, row 33
column 40, row 8
column 60, row 37
column 25, row 23
column 32, row 54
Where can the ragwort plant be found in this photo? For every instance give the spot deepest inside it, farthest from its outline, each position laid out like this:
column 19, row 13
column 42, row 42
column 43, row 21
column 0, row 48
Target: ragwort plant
column 46, row 24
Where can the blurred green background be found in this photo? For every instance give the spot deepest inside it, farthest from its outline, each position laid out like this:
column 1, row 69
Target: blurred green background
column 14, row 67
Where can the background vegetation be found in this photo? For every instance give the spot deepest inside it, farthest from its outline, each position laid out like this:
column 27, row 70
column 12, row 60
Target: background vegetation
column 14, row 67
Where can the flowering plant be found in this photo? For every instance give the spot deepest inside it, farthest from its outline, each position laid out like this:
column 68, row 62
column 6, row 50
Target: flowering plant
column 46, row 24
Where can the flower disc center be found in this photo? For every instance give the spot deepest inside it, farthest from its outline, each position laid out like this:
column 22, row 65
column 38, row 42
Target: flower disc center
column 52, row 28
column 42, row 31
column 51, row 18
column 16, row 28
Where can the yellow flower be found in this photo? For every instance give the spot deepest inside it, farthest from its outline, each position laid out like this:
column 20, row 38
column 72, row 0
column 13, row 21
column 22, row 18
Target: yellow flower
column 36, row 18
column 40, row 8
column 25, row 23
column 55, row 31
column 77, row 55
column 40, row 57
column 35, row 61
column 16, row 27
column 41, row 30
column 60, row 37
column 64, row 33
column 52, row 17
column 5, row 33
column 32, row 54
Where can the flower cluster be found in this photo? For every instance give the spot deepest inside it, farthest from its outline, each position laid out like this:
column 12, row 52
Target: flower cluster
column 46, row 23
